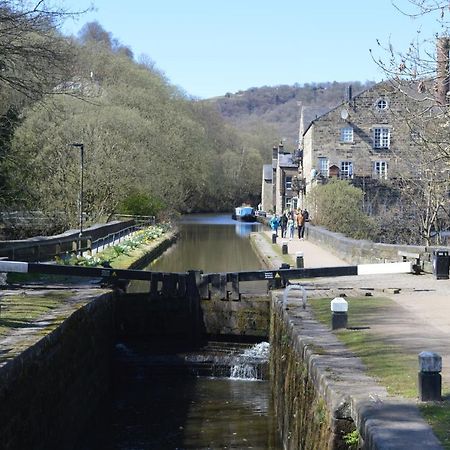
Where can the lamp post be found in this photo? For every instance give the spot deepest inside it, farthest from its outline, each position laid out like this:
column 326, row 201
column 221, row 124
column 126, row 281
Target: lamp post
column 81, row 147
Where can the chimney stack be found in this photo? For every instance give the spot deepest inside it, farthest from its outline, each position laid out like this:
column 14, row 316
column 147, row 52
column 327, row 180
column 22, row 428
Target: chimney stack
column 442, row 78
column 349, row 93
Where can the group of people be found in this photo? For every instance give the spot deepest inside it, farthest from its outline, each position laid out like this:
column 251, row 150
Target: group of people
column 288, row 222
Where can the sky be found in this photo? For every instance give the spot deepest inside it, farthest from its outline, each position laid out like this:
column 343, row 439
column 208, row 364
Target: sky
column 211, row 47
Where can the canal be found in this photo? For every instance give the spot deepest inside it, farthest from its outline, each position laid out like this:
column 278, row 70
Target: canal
column 160, row 402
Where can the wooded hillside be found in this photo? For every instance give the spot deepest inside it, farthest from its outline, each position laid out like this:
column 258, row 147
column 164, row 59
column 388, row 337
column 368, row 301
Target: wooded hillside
column 277, row 108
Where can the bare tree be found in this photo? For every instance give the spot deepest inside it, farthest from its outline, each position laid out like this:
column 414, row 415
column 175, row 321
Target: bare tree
column 421, row 73
column 34, row 56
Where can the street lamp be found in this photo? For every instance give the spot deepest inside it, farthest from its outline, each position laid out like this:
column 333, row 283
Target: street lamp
column 81, row 147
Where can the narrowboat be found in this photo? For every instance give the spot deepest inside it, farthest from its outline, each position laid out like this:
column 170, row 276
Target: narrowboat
column 244, row 214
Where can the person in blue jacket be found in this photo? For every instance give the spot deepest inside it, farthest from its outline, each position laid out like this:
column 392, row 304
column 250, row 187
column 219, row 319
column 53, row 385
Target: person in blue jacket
column 274, row 223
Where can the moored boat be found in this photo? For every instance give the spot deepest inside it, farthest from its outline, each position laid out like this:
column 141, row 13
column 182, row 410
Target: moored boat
column 244, row 214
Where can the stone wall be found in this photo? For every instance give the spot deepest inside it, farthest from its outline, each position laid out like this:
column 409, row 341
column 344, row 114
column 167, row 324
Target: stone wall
column 48, row 392
column 364, row 252
column 321, row 390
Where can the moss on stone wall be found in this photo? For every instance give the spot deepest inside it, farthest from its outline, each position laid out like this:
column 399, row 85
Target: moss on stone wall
column 302, row 415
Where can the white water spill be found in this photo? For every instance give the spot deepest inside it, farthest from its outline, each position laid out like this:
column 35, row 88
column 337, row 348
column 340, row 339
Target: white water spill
column 248, row 364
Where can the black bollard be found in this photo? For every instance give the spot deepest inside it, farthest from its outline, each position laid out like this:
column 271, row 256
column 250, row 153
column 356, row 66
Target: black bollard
column 274, row 238
column 284, row 248
column 339, row 317
column 430, row 380
column 299, row 260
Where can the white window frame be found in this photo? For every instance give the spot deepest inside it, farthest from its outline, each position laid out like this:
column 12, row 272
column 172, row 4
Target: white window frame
column 381, row 137
column 347, row 134
column 382, row 104
column 288, row 182
column 288, row 204
column 324, row 166
column 346, row 170
column 380, row 169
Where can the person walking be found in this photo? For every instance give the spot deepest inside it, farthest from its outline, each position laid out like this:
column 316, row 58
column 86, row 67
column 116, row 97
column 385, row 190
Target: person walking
column 290, row 228
column 283, row 224
column 274, row 224
column 301, row 225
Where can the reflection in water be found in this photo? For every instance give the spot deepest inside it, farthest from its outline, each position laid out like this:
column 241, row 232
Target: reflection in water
column 212, row 244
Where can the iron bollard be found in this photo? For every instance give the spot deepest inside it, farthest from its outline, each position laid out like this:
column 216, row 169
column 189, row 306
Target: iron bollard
column 339, row 318
column 430, row 380
column 284, row 248
column 299, row 260
column 274, row 238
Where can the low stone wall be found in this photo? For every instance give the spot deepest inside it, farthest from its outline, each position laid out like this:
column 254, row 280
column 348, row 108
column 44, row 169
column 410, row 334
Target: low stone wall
column 48, row 392
column 366, row 252
column 41, row 248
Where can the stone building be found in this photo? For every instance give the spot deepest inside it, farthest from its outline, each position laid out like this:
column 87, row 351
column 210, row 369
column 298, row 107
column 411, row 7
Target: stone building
column 279, row 184
column 362, row 138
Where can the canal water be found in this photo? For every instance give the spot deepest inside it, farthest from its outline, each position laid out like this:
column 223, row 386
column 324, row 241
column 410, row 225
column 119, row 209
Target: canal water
column 169, row 397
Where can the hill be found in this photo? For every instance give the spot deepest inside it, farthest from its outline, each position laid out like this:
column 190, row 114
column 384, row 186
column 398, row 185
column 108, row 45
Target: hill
column 277, row 108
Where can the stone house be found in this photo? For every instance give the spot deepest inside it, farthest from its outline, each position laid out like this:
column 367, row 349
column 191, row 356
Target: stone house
column 360, row 139
column 279, row 184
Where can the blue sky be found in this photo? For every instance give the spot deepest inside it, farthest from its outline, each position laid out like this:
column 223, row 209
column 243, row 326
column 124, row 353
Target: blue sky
column 210, row 47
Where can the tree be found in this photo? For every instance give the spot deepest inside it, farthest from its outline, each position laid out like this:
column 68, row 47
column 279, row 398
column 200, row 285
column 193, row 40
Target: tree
column 421, row 74
column 337, row 206
column 34, row 56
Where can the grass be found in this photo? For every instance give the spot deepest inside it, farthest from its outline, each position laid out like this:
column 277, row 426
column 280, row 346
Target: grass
column 389, row 363
column 285, row 258
column 19, row 311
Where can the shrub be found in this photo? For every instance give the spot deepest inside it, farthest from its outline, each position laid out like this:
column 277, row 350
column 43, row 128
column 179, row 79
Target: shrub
column 337, row 206
column 140, row 204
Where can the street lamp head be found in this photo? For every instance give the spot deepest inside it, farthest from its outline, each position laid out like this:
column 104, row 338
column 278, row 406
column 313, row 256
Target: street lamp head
column 77, row 145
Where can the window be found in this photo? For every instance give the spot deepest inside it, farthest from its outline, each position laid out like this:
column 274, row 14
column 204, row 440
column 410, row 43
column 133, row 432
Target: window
column 381, row 138
column 324, row 167
column 288, row 182
column 382, row 104
column 380, row 169
column 346, row 169
column 347, row 134
column 288, row 204
column 294, row 204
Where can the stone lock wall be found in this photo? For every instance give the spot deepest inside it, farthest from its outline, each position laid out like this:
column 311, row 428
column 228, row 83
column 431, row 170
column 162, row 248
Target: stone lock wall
column 306, row 419
column 48, row 391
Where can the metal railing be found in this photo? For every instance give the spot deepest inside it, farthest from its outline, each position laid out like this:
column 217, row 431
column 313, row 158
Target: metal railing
column 47, row 248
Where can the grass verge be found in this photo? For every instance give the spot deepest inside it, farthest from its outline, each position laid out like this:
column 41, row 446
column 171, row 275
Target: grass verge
column 19, row 311
column 288, row 259
column 386, row 361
